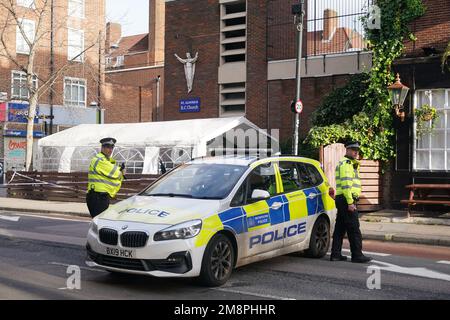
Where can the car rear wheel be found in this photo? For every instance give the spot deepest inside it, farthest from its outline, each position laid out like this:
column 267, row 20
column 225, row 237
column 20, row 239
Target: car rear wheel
column 218, row 260
column 320, row 239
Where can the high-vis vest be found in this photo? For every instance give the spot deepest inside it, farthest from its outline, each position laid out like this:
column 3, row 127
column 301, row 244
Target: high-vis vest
column 104, row 175
column 348, row 182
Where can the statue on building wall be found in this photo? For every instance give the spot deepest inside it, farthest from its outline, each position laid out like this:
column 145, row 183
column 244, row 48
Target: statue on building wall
column 189, row 68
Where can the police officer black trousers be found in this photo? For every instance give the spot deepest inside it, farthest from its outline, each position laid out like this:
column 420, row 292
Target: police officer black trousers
column 346, row 222
column 97, row 202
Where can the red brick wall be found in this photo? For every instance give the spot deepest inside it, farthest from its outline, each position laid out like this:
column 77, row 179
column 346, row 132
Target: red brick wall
column 282, row 43
column 92, row 25
column 432, row 29
column 281, row 92
column 139, row 78
column 127, row 104
column 256, row 109
column 192, row 25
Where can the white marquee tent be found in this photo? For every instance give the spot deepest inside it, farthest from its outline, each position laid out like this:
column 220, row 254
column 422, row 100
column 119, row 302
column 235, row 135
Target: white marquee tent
column 142, row 146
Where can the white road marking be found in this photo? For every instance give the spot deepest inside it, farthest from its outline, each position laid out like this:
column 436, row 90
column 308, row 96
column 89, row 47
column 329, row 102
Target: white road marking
column 252, row 294
column 52, row 218
column 369, row 253
column 9, row 218
column 68, row 265
column 443, row 262
column 418, row 272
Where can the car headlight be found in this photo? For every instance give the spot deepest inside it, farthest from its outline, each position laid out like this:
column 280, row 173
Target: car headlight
column 94, row 227
column 184, row 230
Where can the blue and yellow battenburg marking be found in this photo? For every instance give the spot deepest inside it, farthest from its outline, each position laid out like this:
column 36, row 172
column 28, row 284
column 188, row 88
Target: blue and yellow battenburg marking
column 259, row 215
column 295, row 206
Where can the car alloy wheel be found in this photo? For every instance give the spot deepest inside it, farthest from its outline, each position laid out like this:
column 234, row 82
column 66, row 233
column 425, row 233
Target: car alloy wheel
column 218, row 261
column 221, row 263
column 322, row 236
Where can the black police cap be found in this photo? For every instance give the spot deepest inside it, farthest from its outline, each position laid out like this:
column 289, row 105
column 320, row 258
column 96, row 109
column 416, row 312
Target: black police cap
column 108, row 142
column 352, row 145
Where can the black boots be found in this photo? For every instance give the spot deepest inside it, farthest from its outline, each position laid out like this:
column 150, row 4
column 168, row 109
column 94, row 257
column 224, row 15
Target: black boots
column 338, row 258
column 361, row 259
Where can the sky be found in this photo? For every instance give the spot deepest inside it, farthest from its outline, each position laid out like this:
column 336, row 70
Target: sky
column 131, row 14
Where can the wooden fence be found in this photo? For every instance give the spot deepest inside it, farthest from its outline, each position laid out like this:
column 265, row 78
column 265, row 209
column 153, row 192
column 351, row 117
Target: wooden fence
column 68, row 187
column 370, row 173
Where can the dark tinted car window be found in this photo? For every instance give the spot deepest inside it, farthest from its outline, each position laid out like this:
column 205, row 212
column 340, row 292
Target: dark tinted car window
column 290, row 176
column 262, row 178
column 315, row 178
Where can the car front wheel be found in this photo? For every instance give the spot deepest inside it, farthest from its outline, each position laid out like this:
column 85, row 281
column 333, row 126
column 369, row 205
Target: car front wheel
column 218, row 260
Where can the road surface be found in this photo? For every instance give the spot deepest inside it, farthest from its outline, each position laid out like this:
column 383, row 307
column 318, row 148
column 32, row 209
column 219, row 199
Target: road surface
column 36, row 252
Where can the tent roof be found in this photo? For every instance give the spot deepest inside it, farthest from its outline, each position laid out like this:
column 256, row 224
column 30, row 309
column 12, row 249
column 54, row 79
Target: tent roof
column 166, row 133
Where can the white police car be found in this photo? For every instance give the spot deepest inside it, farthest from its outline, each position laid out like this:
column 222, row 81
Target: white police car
column 212, row 215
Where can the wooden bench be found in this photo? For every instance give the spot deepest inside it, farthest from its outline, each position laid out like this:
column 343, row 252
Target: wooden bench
column 425, row 194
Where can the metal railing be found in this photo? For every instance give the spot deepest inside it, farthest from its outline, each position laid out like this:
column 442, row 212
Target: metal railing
column 333, row 27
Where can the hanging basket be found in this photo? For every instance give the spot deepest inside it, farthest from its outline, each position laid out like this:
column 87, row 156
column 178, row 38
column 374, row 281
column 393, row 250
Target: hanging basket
column 427, row 116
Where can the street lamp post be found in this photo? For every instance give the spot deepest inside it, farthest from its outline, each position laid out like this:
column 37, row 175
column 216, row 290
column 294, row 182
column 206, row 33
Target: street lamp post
column 298, row 11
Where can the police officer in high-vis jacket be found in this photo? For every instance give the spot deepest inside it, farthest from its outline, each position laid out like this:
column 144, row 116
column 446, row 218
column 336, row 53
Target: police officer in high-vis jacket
column 348, row 191
column 105, row 178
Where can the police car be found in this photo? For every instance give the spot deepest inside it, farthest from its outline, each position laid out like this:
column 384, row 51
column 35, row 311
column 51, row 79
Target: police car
column 209, row 216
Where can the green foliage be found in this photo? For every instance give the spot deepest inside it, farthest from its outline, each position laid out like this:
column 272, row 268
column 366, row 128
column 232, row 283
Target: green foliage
column 342, row 103
column 424, row 115
column 446, row 57
column 373, row 125
column 305, row 149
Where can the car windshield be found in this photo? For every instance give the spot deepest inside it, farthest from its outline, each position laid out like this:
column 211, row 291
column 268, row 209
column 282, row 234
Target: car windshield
column 199, row 181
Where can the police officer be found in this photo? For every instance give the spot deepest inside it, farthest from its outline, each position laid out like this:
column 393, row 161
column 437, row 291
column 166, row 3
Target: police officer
column 348, row 190
column 105, row 178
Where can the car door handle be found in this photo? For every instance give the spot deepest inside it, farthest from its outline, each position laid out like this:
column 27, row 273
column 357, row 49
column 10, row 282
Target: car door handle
column 276, row 205
column 312, row 196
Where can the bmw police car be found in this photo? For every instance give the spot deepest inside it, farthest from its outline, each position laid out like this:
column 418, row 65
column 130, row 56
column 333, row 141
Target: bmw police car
column 211, row 215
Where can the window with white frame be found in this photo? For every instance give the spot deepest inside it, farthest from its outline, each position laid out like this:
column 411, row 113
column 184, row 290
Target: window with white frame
column 26, row 3
column 432, row 150
column 120, row 60
column 74, row 92
column 75, row 45
column 19, row 87
column 76, row 8
column 26, row 27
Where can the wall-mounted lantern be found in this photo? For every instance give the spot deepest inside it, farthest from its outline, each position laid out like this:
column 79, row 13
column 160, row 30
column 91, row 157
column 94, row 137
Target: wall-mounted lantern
column 398, row 92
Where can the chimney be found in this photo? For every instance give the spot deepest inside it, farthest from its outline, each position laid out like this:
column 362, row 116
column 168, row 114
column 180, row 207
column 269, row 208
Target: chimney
column 330, row 23
column 113, row 35
column 156, row 31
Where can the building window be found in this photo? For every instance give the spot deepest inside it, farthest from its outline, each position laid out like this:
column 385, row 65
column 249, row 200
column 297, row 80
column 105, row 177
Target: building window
column 108, row 61
column 74, row 92
column 28, row 28
column 76, row 8
column 19, row 88
column 26, row 3
column 432, row 151
column 75, row 45
column 120, row 60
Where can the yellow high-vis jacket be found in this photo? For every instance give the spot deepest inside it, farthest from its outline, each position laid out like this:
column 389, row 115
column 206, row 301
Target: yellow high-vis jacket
column 348, row 182
column 104, row 175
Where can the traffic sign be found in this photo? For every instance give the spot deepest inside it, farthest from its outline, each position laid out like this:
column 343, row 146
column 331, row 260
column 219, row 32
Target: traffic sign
column 297, row 107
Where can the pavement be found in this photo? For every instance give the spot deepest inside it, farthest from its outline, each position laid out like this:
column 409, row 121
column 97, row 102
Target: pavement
column 389, row 226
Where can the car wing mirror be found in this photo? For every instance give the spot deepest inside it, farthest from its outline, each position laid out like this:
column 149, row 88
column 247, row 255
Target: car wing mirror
column 258, row 194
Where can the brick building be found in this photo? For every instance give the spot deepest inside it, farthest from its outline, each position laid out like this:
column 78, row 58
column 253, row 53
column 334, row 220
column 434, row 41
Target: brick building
column 246, row 63
column 426, row 158
column 67, row 40
column 135, row 71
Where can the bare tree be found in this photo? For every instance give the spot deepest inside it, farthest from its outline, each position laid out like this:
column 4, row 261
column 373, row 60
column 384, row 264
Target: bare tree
column 11, row 21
